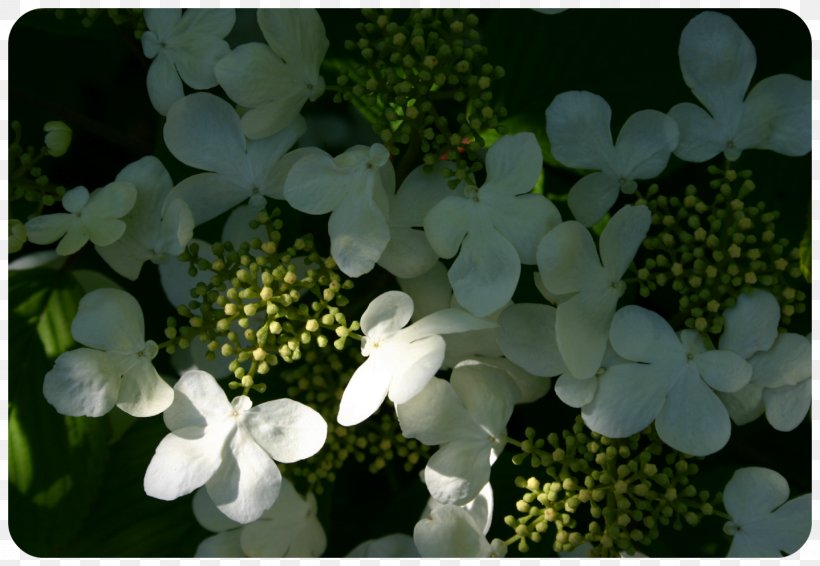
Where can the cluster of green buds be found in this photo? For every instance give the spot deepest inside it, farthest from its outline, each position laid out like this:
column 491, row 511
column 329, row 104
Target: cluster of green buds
column 613, row 494
column 424, row 84
column 708, row 249
column 29, row 186
column 126, row 17
column 262, row 303
column 319, row 384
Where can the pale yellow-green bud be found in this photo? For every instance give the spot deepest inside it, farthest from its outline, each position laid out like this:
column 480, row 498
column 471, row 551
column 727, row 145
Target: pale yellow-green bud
column 58, row 138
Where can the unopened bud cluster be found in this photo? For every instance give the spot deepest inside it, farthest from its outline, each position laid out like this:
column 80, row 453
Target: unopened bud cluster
column 319, row 384
column 424, row 84
column 30, row 190
column 614, row 494
column 130, row 18
column 709, row 246
column 262, row 303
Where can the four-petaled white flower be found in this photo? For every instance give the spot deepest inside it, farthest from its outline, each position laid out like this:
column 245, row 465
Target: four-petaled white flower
column 89, row 216
column 353, row 187
column 275, row 80
column 468, row 417
column 289, row 529
column 185, row 45
column 230, row 447
column 717, row 61
column 400, row 361
column 116, row 367
column 578, row 127
column 764, row 522
column 204, row 131
column 497, row 226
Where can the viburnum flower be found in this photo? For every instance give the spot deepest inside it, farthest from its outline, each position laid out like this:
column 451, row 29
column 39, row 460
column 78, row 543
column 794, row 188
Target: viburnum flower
column 89, row 216
column 578, row 127
column 353, row 187
column 718, row 61
column 157, row 228
column 275, row 80
column 115, row 368
column 400, row 361
column 184, row 47
column 671, row 383
column 497, row 227
column 468, row 417
column 289, row 529
column 569, row 264
column 204, row 131
column 230, row 447
column 764, row 522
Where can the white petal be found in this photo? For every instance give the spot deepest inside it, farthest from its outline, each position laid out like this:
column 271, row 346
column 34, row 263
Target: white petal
column 751, row 324
column 253, row 75
column 109, row 319
column 206, row 22
column 430, row 291
column 575, row 392
column 457, row 471
column 568, row 260
column 436, row 415
column 76, row 199
column 416, row 363
column 83, row 382
column 162, row 21
column 447, row 321
column 779, row 108
column 276, row 176
column 788, row 362
column 446, row 225
column 358, row 236
column 196, row 60
column 247, row 482
column 101, row 231
column 530, row 387
column 163, row 84
column 209, row 194
column 701, row 137
column 198, row 402
column 396, row 545
column 418, row 194
column 513, row 165
column 264, row 155
column 786, row 407
column 723, row 370
column 221, row 545
column 485, row 273
column 753, row 493
column 386, row 315
column 367, row 389
column 522, row 220
column 592, row 197
column 640, row 335
column 48, row 228
column 644, row 144
column 175, row 230
column 297, row 36
column 317, row 185
column 450, row 533
column 76, row 237
column 745, row 405
column 628, row 399
column 125, row 256
column 790, row 525
column 207, row 514
column 582, row 330
column 114, row 200
column 289, row 431
column 622, row 237
column 174, row 277
column 578, row 127
column 274, row 116
column 693, row 420
column 143, row 392
column 408, row 253
column 717, row 61
column 488, row 395
column 237, row 228
column 203, row 131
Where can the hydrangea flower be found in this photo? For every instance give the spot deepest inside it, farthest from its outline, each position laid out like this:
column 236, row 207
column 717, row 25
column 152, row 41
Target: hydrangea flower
column 275, row 80
column 204, row 131
column 184, row 47
column 115, row 368
column 230, row 447
column 468, row 417
column 671, row 383
column 353, row 187
column 764, row 522
column 289, row 529
column 718, row 61
column 569, row 264
column 494, row 228
column 578, row 127
column 89, row 216
column 157, row 228
column 400, row 361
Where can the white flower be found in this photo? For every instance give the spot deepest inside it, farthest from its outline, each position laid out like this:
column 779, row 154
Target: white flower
column 58, row 138
column 183, row 45
column 275, row 80
column 468, row 417
column 204, row 131
column 671, row 384
column 353, row 187
column 400, row 361
column 90, row 216
column 156, row 228
column 230, row 447
column 396, row 545
column 765, row 523
column 569, row 264
column 289, row 529
column 578, row 127
column 718, row 61
column 116, row 367
column 497, row 226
